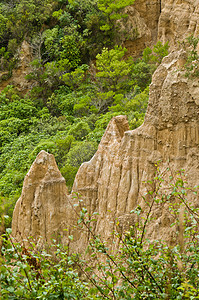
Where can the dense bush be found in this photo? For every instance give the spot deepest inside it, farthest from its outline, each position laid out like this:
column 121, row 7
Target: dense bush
column 191, row 65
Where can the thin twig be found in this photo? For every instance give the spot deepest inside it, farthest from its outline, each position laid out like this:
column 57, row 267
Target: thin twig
column 21, row 259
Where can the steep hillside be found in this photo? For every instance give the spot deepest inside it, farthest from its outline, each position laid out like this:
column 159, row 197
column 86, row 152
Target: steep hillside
column 112, row 183
column 110, row 136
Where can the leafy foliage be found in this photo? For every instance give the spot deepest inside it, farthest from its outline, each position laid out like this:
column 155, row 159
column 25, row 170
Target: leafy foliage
column 39, row 275
column 191, row 66
column 113, row 11
column 139, row 268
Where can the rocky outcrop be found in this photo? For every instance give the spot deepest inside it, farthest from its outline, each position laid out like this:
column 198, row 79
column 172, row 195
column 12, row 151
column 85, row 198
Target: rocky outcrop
column 164, row 20
column 178, row 19
column 112, row 182
column 140, row 29
column 18, row 74
column 41, row 211
column 170, row 133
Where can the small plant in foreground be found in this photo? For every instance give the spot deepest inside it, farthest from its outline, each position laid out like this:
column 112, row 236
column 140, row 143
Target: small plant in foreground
column 192, row 63
column 148, row 269
column 137, row 268
column 30, row 274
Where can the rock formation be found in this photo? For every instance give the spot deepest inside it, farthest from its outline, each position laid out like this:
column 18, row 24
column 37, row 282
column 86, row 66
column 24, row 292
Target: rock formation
column 164, row 20
column 178, row 19
column 19, row 73
column 141, row 26
column 112, row 182
column 41, row 211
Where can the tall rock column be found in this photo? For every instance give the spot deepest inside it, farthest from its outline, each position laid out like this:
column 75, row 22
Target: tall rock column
column 41, row 211
column 120, row 167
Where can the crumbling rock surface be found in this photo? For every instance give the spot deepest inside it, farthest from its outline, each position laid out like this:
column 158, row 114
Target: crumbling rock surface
column 41, row 211
column 164, row 20
column 178, row 20
column 19, row 73
column 112, row 182
column 140, row 29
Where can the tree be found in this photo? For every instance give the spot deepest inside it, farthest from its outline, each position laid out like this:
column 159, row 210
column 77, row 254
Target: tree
column 113, row 11
column 156, row 54
column 112, row 80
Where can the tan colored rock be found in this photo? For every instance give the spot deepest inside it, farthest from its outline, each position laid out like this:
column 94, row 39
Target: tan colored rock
column 23, row 69
column 140, row 29
column 112, row 182
column 41, row 211
column 178, row 20
column 164, row 20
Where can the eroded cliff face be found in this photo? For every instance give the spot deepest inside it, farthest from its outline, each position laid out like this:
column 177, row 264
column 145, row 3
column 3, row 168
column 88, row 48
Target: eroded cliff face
column 178, row 19
column 141, row 26
column 112, row 183
column 164, row 20
column 19, row 73
column 115, row 177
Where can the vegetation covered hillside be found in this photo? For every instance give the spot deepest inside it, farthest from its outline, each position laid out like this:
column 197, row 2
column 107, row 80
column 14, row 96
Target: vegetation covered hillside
column 80, row 77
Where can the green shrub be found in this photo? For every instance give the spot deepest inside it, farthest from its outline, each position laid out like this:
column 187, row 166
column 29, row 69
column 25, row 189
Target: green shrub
column 38, row 275
column 63, row 145
column 69, row 172
column 191, row 66
column 79, row 130
column 48, row 146
column 81, row 152
column 139, row 268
